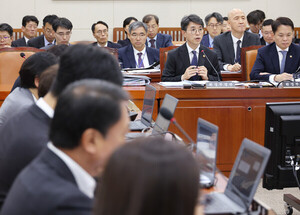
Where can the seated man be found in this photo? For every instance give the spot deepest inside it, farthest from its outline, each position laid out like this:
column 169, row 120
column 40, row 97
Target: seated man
column 137, row 55
column 156, row 40
column 277, row 61
column 126, row 24
column 191, row 60
column 63, row 31
column 47, row 38
column 228, row 45
column 29, row 28
column 225, row 26
column 213, row 23
column 6, row 35
column 100, row 32
column 267, row 33
column 60, row 180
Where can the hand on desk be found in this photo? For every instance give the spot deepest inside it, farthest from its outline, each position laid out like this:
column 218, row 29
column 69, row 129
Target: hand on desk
column 283, row 77
column 193, row 70
column 234, row 68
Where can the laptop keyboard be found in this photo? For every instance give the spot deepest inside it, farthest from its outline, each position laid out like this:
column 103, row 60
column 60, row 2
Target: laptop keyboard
column 137, row 126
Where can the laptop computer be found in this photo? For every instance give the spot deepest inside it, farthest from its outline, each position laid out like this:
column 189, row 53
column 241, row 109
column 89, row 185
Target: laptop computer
column 147, row 111
column 161, row 124
column 243, row 181
column 206, row 151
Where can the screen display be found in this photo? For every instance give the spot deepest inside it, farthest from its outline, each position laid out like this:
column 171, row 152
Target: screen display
column 149, row 99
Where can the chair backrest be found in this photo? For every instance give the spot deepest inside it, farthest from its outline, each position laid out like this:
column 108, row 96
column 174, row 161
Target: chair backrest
column 11, row 62
column 18, row 33
column 163, row 54
column 297, row 32
column 248, row 57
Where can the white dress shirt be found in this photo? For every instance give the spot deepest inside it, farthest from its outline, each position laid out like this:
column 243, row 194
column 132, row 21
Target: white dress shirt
column 148, row 40
column 280, row 56
column 144, row 57
column 45, row 107
column 191, row 55
column 234, row 40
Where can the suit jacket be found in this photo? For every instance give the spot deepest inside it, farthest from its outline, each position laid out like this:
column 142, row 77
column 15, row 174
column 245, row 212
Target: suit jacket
column 110, row 45
column 162, row 40
column 178, row 60
column 262, row 41
column 267, row 60
column 125, row 42
column 127, row 59
column 223, row 46
column 205, row 40
column 19, row 43
column 37, row 42
column 21, row 139
column 46, row 186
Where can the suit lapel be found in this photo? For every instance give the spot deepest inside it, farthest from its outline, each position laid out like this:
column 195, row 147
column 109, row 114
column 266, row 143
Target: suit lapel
column 159, row 41
column 201, row 59
column 150, row 56
column 184, row 56
column 230, row 48
column 130, row 56
column 275, row 59
column 289, row 59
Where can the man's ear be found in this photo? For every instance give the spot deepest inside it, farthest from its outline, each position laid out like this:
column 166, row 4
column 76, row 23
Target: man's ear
column 23, row 28
column 36, row 82
column 183, row 33
column 89, row 139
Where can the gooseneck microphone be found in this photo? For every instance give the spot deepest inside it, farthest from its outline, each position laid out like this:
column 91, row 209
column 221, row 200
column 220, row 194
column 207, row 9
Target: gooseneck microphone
column 22, row 55
column 169, row 116
column 219, row 79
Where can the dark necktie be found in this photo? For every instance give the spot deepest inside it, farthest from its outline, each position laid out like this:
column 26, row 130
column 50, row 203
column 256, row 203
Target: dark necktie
column 140, row 60
column 283, row 61
column 49, row 44
column 152, row 42
column 238, row 52
column 194, row 63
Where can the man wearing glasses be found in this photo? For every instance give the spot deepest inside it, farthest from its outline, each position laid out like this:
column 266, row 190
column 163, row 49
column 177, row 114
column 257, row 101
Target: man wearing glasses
column 47, row 39
column 156, row 40
column 213, row 23
column 6, row 33
column 100, row 32
column 191, row 60
column 137, row 54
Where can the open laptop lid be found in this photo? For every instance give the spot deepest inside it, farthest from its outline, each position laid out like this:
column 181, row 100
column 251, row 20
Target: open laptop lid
column 246, row 173
column 206, row 151
column 161, row 124
column 148, row 105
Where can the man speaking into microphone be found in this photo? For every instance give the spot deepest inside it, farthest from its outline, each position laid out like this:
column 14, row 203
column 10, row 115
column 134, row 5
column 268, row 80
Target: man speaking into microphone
column 191, row 61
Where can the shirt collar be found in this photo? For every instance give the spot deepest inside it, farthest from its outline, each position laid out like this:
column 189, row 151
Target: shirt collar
column 102, row 46
column 46, row 42
column 26, row 39
column 135, row 51
column 85, row 182
column 190, row 49
column 234, row 39
column 279, row 49
column 45, row 107
column 155, row 38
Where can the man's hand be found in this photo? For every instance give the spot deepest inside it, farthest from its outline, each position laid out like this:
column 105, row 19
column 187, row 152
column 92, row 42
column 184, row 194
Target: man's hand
column 283, row 77
column 234, row 68
column 202, row 71
column 190, row 72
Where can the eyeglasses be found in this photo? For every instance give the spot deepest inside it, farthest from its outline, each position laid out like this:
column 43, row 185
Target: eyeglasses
column 194, row 30
column 134, row 35
column 101, row 32
column 49, row 31
column 61, row 34
column 214, row 25
column 4, row 38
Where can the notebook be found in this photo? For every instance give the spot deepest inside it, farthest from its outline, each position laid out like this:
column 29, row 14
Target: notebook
column 245, row 175
column 147, row 111
column 206, row 151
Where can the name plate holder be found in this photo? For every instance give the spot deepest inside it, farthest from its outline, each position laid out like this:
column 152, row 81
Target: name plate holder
column 220, row 84
column 290, row 84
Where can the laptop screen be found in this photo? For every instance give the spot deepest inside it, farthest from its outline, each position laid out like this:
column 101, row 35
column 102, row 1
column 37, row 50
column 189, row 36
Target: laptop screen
column 162, row 124
column 149, row 99
column 206, row 150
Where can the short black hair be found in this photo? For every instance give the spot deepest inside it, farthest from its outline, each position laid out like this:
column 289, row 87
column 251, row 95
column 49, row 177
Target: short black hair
column 149, row 17
column 58, row 50
column 99, row 22
column 27, row 19
column 49, row 19
column 85, row 104
column 185, row 21
column 63, row 23
column 85, row 61
column 225, row 18
column 282, row 21
column 6, row 27
column 268, row 22
column 253, row 18
column 34, row 66
column 46, row 79
column 261, row 15
column 216, row 15
column 158, row 177
column 128, row 20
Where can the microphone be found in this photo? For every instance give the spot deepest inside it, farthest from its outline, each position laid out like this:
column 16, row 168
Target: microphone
column 296, row 74
column 22, row 55
column 219, row 79
column 153, row 65
column 169, row 116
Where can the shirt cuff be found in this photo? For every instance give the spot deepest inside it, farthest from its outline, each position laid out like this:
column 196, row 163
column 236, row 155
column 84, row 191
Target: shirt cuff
column 271, row 78
column 225, row 67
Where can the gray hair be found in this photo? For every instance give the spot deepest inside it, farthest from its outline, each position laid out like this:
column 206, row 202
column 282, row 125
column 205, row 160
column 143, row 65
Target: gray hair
column 216, row 15
column 136, row 25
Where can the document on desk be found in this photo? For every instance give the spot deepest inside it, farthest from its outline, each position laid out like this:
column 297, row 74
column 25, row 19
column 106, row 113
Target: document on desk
column 143, row 71
column 230, row 72
column 180, row 83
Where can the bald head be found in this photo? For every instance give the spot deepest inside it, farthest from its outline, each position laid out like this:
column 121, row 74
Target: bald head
column 237, row 21
column 233, row 12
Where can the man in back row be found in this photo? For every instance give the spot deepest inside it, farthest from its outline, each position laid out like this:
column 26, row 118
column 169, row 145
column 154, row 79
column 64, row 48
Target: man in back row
column 228, row 45
column 213, row 23
column 6, row 35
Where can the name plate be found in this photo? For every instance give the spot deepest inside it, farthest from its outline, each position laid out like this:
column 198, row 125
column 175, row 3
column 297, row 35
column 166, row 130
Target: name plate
column 290, row 84
column 220, row 84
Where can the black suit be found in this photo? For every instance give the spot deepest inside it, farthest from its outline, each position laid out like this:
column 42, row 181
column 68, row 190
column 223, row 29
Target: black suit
column 21, row 139
column 37, row 42
column 178, row 61
column 110, row 45
column 262, row 41
column 223, row 46
column 46, row 186
column 125, row 42
column 19, row 43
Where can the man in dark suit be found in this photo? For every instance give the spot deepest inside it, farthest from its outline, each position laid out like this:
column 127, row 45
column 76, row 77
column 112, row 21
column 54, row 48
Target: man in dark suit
column 24, row 135
column 47, row 39
column 156, row 40
column 137, row 55
column 228, row 45
column 29, row 28
column 277, row 61
column 100, row 32
column 60, row 180
column 214, row 22
column 191, row 60
column 267, row 33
